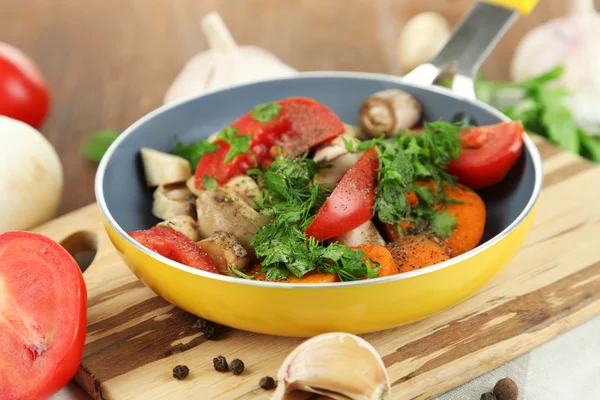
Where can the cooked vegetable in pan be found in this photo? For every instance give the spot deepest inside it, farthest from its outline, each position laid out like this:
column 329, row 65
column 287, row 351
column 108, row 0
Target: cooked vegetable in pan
column 289, row 193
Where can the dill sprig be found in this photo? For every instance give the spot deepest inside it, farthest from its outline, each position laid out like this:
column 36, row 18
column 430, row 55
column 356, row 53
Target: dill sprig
column 291, row 198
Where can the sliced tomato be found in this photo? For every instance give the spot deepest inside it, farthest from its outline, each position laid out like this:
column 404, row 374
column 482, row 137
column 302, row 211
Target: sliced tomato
column 351, row 203
column 43, row 306
column 302, row 123
column 175, row 246
column 488, row 153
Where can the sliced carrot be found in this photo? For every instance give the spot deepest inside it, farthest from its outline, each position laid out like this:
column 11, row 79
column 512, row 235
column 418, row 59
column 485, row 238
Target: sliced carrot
column 311, row 277
column 415, row 252
column 314, row 277
column 470, row 216
column 380, row 255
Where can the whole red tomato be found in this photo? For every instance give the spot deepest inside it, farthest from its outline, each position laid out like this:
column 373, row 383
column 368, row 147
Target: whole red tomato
column 24, row 94
column 43, row 308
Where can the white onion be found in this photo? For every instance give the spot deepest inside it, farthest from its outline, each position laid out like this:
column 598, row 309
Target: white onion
column 31, row 177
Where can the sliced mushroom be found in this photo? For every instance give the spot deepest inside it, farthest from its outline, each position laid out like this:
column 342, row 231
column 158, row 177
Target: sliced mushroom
column 191, row 185
column 388, row 111
column 335, row 160
column 245, row 187
column 332, row 173
column 363, row 234
column 355, row 132
column 162, row 168
column 219, row 210
column 333, row 149
column 184, row 224
column 225, row 251
column 173, row 200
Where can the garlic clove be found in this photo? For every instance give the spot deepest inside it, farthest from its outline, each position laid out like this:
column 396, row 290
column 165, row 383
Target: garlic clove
column 421, row 38
column 338, row 365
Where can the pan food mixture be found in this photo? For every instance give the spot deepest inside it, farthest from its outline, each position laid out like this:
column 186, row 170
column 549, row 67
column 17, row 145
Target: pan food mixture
column 289, row 193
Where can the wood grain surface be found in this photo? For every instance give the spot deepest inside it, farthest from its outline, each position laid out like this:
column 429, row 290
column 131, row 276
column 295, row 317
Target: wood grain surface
column 135, row 338
column 110, row 62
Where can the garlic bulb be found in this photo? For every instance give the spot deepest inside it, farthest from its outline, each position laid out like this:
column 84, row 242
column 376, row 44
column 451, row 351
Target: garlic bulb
column 420, row 39
column 31, row 177
column 224, row 64
column 340, row 366
column 572, row 42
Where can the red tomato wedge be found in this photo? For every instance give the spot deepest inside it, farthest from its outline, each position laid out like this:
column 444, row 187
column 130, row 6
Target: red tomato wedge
column 43, row 306
column 24, row 94
column 301, row 123
column 488, row 153
column 351, row 203
column 175, row 246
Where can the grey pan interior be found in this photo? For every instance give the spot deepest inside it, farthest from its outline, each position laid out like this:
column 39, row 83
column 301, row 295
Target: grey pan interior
column 120, row 183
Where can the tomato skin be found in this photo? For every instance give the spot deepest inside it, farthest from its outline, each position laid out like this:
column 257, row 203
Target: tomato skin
column 175, row 246
column 351, row 203
column 23, row 90
column 58, row 372
column 302, row 123
column 488, row 154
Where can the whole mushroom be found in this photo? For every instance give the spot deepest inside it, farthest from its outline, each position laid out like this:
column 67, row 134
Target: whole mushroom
column 388, row 111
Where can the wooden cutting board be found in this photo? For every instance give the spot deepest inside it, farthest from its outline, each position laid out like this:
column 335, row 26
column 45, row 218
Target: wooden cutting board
column 135, row 338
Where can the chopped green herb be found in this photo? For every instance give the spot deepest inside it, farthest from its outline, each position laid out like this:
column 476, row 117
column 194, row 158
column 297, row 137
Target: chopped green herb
column 266, row 112
column 238, row 144
column 408, row 159
column 95, row 145
column 208, row 182
column 193, row 152
column 239, row 273
column 442, row 224
column 292, row 199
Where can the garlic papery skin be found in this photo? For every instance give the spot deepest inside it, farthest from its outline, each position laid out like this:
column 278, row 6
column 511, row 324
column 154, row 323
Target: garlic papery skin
column 571, row 41
column 224, row 64
column 421, row 38
column 338, row 365
column 31, row 177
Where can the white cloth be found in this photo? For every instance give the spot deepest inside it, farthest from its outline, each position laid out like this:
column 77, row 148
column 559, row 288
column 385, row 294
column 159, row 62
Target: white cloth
column 565, row 368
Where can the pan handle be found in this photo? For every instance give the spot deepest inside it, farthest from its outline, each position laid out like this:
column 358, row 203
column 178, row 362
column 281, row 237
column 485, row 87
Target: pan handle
column 469, row 45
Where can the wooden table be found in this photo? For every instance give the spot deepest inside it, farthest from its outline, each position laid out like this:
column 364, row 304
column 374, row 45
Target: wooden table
column 110, row 62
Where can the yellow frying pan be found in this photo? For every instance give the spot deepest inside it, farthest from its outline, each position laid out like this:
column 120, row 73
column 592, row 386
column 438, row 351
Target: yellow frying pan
column 310, row 309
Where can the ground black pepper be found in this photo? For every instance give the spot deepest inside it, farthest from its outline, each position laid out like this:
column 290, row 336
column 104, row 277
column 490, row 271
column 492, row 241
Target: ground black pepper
column 267, row 383
column 488, row 396
column 220, row 364
column 237, row 366
column 506, row 389
column 181, row 372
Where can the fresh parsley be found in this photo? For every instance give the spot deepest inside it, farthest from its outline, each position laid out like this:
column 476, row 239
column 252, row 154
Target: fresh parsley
column 95, row 145
column 266, row 112
column 239, row 273
column 238, row 144
column 193, row 152
column 541, row 108
column 292, row 199
column 208, row 182
column 410, row 158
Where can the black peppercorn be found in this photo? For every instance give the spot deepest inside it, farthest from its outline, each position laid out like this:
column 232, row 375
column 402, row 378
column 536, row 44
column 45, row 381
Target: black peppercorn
column 220, row 364
column 488, row 396
column 237, row 366
column 267, row 383
column 181, row 372
column 506, row 389
column 210, row 329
